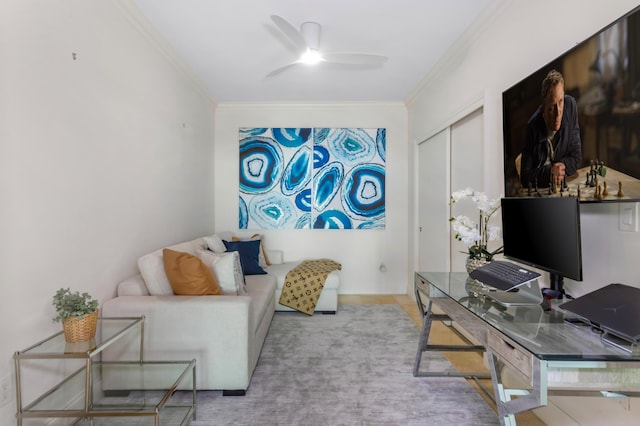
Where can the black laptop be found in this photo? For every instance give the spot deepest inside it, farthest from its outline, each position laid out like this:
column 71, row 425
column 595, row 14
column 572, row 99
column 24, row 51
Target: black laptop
column 614, row 308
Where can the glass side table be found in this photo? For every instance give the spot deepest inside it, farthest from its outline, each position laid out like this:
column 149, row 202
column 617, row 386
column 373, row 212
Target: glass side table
column 90, row 389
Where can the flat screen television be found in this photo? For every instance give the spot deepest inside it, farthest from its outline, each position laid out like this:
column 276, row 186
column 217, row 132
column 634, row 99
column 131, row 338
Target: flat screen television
column 544, row 232
column 603, row 74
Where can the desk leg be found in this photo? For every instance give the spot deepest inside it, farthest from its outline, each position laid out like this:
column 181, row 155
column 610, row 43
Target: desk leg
column 526, row 400
column 424, row 334
column 424, row 346
column 419, row 301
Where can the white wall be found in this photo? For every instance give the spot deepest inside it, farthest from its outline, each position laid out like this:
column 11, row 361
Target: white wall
column 359, row 251
column 518, row 38
column 508, row 48
column 102, row 159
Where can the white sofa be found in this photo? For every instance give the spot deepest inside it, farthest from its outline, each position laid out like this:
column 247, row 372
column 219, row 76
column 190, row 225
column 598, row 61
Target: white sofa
column 224, row 333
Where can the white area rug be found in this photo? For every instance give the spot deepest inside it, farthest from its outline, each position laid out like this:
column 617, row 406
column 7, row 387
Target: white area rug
column 352, row 368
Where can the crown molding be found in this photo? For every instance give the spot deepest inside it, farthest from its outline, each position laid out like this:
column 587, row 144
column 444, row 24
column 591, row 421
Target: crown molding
column 461, row 46
column 142, row 24
column 311, row 105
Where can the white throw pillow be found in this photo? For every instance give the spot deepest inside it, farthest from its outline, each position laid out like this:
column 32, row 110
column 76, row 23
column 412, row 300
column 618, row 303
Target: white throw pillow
column 227, row 269
column 215, row 244
column 151, row 267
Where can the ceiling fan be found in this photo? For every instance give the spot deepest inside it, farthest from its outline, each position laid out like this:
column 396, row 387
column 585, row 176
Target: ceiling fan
column 307, row 44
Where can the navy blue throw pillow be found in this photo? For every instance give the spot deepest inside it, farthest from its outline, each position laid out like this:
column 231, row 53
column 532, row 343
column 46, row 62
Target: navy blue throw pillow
column 248, row 251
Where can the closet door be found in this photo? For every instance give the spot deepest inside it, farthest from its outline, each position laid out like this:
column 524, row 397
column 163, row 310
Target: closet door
column 467, row 170
column 433, row 199
column 448, row 161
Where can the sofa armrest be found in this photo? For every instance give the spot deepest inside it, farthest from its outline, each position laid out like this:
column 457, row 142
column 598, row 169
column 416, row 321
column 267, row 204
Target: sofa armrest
column 275, row 256
column 215, row 330
column 133, row 286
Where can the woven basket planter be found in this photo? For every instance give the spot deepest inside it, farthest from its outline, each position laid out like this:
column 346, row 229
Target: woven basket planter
column 80, row 329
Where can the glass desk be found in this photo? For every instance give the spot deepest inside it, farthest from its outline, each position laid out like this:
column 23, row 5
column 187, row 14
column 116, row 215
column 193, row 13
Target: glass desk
column 549, row 353
column 91, row 390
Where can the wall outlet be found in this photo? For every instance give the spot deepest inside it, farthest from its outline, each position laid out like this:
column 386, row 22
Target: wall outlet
column 6, row 390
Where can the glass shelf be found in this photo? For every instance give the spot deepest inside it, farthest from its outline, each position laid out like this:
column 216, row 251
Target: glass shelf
column 108, row 331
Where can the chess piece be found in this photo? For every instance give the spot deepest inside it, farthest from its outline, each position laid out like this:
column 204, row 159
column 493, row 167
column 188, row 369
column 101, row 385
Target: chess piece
column 604, row 189
column 588, row 176
column 620, row 193
column 602, row 171
column 578, row 191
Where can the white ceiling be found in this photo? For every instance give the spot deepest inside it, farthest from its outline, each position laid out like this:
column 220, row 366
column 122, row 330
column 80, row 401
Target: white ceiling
column 231, row 45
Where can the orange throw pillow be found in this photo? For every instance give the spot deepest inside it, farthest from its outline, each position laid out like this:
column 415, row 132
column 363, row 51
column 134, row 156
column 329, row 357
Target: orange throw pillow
column 188, row 275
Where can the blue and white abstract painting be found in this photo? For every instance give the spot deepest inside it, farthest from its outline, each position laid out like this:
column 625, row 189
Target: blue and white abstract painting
column 302, row 178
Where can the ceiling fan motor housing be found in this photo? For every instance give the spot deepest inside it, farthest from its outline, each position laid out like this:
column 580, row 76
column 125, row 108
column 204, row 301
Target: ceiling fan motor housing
column 311, row 33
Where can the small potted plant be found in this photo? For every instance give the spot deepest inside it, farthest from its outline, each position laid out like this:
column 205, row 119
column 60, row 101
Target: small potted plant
column 78, row 313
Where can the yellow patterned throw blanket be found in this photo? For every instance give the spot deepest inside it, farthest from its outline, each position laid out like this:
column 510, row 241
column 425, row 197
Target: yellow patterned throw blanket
column 303, row 284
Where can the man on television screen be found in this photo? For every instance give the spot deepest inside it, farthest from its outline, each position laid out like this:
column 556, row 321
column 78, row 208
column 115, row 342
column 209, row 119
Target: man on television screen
column 552, row 146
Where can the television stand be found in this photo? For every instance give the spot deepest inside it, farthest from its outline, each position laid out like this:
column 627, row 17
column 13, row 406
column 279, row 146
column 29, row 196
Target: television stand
column 528, row 294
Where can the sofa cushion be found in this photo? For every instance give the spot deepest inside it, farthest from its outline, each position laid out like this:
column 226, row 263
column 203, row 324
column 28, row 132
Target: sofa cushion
column 249, row 252
column 261, row 288
column 152, row 268
column 188, row 275
column 227, row 269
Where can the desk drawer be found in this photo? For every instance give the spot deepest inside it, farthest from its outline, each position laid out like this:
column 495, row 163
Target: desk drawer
column 510, row 353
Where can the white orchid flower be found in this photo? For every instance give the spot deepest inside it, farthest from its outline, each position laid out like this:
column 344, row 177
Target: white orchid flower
column 477, row 235
column 459, row 195
column 493, row 232
column 465, row 230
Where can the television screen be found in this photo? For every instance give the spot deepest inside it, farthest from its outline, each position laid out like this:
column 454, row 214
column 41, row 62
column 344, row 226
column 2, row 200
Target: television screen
column 602, row 75
column 544, row 232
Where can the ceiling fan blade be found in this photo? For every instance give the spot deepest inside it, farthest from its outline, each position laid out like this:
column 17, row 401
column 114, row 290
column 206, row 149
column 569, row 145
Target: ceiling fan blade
column 355, row 58
column 291, row 32
column 281, row 69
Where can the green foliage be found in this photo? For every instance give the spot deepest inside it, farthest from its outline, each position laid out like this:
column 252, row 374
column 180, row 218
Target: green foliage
column 477, row 251
column 70, row 304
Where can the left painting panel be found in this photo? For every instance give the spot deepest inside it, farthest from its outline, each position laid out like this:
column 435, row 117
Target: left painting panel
column 275, row 178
